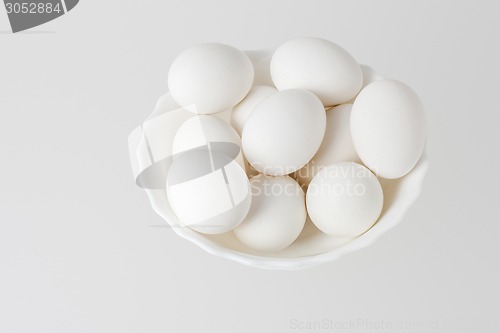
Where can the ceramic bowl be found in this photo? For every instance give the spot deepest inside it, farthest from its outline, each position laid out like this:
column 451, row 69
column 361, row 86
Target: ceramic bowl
column 312, row 246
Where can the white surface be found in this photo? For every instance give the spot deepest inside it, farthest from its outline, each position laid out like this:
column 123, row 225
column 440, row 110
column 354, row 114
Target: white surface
column 77, row 250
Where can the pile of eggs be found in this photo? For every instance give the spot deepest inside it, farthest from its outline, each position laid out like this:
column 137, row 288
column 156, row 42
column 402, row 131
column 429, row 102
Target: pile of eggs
column 260, row 144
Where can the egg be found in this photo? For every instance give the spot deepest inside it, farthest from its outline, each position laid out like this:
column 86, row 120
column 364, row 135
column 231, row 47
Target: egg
column 317, row 65
column 344, row 199
column 284, row 132
column 210, row 78
column 337, row 144
column 277, row 214
column 208, row 191
column 250, row 170
column 224, row 115
column 369, row 76
column 207, row 186
column 261, row 60
column 388, row 128
column 242, row 111
column 210, row 132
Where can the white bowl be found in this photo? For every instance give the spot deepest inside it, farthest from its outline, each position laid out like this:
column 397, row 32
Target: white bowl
column 312, row 247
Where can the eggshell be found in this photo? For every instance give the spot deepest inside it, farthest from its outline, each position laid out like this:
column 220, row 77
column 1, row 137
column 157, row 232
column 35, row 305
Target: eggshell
column 344, row 199
column 284, row 132
column 207, row 186
column 277, row 214
column 317, row 65
column 210, row 132
column 224, row 115
column 249, row 169
column 208, row 191
column 261, row 60
column 369, row 76
column 242, row 111
column 337, row 144
column 210, row 78
column 388, row 128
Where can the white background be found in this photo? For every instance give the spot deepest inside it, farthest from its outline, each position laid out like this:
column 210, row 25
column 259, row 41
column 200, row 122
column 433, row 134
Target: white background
column 78, row 252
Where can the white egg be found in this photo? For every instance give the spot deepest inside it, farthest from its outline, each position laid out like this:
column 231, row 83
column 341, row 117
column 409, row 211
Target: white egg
column 208, row 191
column 336, row 147
column 344, row 199
column 388, row 128
column 317, row 65
column 250, row 170
column 224, row 115
column 242, row 111
column 284, row 132
column 277, row 214
column 210, row 78
column 261, row 60
column 210, row 132
column 207, row 186
column 369, row 76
